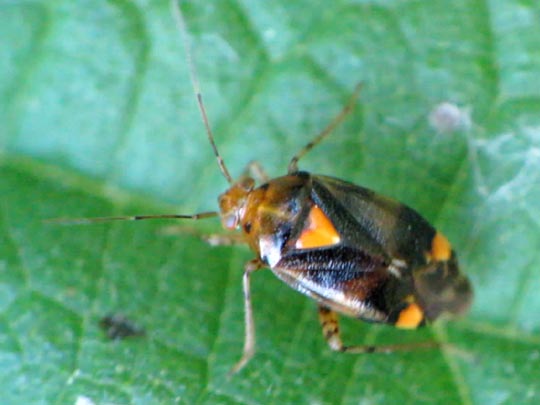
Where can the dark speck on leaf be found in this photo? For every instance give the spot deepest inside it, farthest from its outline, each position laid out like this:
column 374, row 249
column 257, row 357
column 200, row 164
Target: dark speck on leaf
column 117, row 327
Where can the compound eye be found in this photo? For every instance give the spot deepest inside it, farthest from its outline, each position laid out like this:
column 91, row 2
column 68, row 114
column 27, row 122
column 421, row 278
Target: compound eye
column 229, row 221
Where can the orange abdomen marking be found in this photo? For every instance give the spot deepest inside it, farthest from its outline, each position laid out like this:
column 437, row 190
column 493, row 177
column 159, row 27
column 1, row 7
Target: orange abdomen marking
column 319, row 231
column 410, row 317
column 440, row 248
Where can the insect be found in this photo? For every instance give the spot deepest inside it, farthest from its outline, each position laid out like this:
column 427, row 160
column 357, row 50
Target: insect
column 351, row 250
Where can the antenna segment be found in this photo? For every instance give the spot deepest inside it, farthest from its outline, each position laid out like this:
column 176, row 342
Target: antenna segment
column 180, row 22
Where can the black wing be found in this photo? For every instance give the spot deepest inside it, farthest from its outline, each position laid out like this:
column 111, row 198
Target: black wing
column 381, row 264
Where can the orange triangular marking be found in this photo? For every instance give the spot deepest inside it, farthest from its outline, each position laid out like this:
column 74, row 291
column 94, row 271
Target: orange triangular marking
column 319, row 231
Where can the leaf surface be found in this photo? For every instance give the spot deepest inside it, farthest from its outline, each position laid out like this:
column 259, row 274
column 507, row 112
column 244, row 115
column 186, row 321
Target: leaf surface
column 99, row 118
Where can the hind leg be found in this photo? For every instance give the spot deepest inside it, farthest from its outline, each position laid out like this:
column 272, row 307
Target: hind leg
column 330, row 328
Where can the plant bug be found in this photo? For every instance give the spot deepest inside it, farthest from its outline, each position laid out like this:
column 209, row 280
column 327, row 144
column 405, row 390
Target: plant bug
column 351, row 250
column 348, row 248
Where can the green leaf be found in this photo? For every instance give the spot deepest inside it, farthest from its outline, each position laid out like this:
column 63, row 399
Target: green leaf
column 99, row 118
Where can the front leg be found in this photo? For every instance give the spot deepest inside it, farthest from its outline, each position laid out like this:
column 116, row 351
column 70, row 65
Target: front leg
column 249, row 337
column 255, row 170
column 330, row 328
column 213, row 239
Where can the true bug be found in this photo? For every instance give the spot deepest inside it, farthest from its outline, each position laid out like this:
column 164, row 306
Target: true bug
column 353, row 251
column 350, row 249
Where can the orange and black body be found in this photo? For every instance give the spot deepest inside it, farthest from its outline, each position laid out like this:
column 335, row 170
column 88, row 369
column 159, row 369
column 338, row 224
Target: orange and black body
column 353, row 251
column 350, row 249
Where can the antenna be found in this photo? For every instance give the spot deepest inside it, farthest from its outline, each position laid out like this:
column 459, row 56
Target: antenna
column 338, row 119
column 180, row 22
column 177, row 13
column 83, row 221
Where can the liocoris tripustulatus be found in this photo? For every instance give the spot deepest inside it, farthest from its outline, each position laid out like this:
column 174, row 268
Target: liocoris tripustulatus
column 353, row 251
